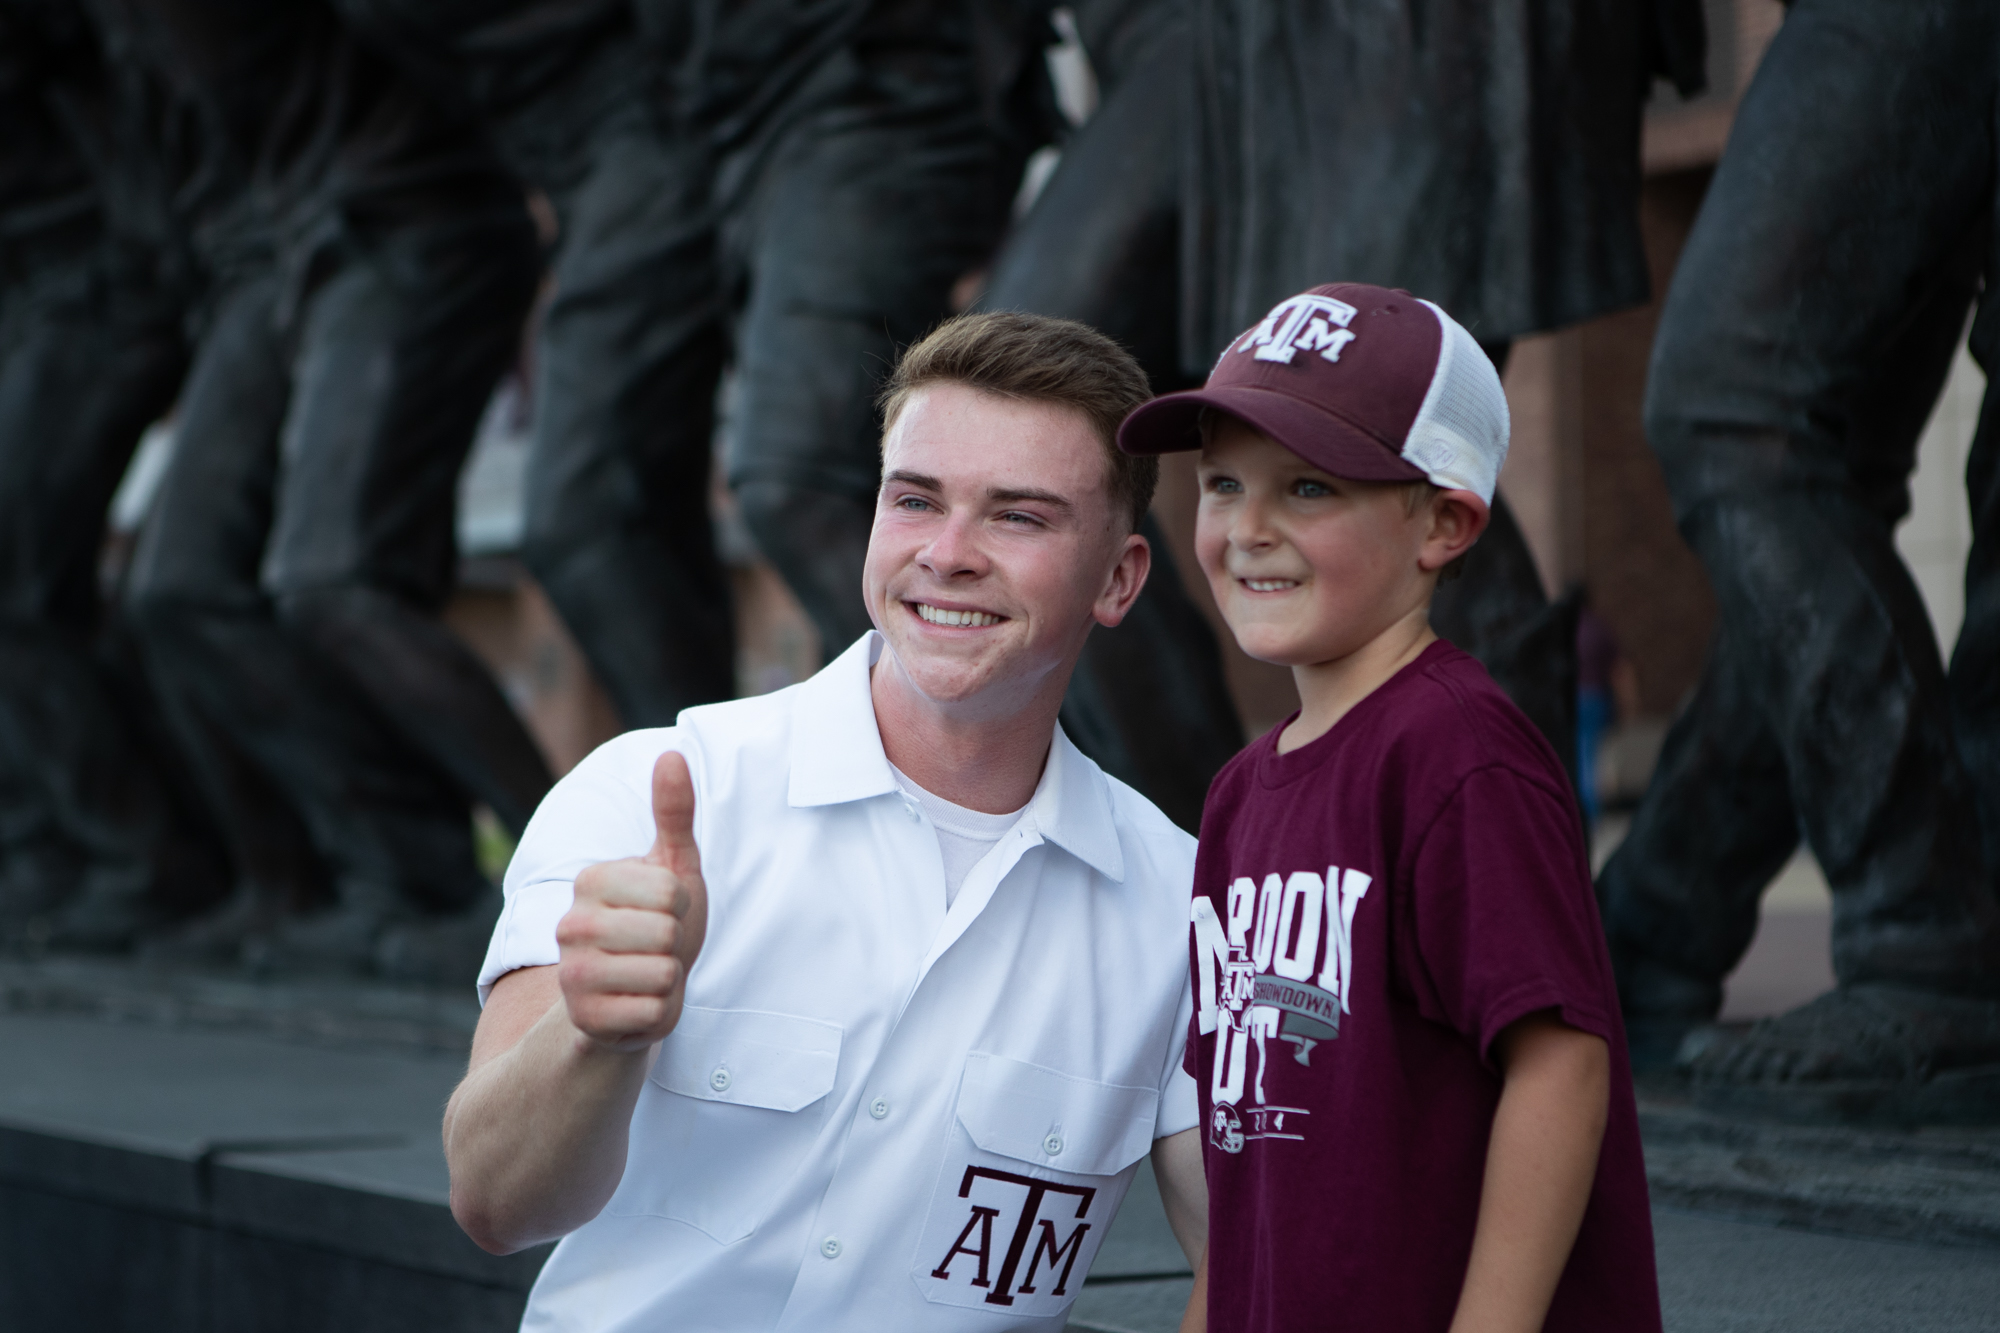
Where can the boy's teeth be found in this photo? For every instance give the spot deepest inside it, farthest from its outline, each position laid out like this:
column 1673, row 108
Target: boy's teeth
column 939, row 616
column 1268, row 585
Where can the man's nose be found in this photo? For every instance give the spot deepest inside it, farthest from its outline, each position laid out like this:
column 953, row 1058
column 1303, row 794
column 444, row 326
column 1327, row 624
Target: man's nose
column 956, row 550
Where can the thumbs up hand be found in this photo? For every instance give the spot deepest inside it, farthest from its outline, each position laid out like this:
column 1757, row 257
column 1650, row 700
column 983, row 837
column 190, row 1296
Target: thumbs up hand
column 636, row 925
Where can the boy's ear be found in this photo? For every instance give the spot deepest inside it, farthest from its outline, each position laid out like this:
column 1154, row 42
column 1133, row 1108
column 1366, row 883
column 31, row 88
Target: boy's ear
column 1456, row 520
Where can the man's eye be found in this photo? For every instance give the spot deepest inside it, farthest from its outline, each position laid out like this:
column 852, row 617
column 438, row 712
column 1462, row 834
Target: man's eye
column 913, row 503
column 1018, row 518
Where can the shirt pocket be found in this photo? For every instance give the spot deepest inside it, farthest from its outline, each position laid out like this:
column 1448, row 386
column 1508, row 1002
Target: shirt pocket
column 732, row 1107
column 1036, row 1163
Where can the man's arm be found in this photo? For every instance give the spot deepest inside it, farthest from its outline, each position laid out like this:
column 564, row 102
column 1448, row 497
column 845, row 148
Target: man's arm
column 1540, row 1163
column 535, row 1135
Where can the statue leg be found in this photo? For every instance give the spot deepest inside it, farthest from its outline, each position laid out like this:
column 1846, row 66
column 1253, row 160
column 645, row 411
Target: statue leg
column 398, row 353
column 618, row 530
column 855, row 234
column 1496, row 611
column 1805, row 337
column 1975, row 662
column 263, row 719
column 81, row 378
column 1148, row 700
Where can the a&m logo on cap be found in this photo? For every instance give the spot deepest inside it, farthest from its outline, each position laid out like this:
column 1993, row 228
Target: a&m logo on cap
column 1302, row 323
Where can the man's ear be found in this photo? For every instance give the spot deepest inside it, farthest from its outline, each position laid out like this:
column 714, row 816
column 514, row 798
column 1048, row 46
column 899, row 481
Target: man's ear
column 1456, row 520
column 1122, row 584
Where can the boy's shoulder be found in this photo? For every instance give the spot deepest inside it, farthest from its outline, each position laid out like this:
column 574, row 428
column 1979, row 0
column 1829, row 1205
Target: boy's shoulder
column 1434, row 723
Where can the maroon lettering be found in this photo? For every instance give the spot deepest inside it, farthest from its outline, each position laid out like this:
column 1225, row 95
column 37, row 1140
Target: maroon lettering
column 983, row 1219
column 1037, row 1190
column 1047, row 1245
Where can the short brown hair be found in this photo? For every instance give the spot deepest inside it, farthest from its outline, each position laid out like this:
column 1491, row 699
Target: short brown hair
column 1039, row 359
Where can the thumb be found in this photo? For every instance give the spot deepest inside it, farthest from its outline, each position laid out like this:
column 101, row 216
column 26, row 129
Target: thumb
column 673, row 817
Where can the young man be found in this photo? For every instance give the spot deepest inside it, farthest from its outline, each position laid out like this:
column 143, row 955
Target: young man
column 855, row 1006
column 1413, row 1080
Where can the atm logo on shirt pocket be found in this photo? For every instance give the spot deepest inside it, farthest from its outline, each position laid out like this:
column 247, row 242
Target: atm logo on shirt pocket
column 1036, row 1165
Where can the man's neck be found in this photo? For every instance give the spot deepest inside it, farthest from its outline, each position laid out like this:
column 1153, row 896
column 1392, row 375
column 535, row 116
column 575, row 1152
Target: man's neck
column 985, row 760
column 1328, row 691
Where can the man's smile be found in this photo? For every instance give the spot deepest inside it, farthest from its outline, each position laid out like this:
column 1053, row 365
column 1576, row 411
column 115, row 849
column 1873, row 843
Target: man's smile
column 956, row 619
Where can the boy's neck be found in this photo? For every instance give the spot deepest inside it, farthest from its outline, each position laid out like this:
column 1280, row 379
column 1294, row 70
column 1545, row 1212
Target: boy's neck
column 1328, row 691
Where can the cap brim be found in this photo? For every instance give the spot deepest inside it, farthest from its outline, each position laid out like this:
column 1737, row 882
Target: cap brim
column 1170, row 423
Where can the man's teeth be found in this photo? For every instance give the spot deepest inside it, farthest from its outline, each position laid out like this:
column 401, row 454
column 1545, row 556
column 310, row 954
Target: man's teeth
column 1270, row 585
column 939, row 616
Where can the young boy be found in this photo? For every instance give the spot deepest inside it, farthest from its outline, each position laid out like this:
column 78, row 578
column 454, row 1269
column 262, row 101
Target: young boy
column 1414, row 1091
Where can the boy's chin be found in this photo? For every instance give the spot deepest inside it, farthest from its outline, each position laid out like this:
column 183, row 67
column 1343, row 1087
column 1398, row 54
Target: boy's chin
column 1283, row 650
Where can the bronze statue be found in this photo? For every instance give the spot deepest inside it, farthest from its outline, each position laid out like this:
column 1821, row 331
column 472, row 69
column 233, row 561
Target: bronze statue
column 1101, row 244
column 94, row 282
column 1809, row 329
column 787, row 188
column 369, row 265
column 1245, row 149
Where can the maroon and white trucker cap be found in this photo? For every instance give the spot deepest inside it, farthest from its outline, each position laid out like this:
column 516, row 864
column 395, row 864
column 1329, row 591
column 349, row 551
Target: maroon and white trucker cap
column 1368, row 383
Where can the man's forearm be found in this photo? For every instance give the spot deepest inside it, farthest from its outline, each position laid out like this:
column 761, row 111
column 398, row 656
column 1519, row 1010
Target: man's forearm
column 1540, row 1163
column 536, row 1134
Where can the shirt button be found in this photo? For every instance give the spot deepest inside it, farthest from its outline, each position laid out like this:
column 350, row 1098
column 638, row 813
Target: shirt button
column 719, row 1080
column 830, row 1247
column 879, row 1107
column 1052, row 1145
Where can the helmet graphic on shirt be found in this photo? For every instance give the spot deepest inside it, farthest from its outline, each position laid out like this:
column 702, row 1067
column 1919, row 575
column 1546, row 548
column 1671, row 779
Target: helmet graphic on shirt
column 1225, row 1128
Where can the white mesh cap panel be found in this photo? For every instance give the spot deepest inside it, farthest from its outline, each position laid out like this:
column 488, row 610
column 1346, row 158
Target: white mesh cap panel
column 1459, row 437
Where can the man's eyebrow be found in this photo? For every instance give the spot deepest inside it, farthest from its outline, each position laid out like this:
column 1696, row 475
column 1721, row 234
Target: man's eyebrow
column 920, row 480
column 1018, row 494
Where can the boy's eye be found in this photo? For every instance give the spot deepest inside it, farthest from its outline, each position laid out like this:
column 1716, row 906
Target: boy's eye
column 1224, row 485
column 1311, row 490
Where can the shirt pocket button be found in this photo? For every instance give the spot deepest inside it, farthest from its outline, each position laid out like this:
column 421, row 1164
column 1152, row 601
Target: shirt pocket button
column 1053, row 1145
column 719, row 1080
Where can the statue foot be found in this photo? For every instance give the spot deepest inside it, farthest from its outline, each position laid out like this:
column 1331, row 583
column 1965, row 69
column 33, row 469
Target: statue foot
column 1661, row 1006
column 215, row 939
column 1860, row 1054
column 35, row 878
column 109, row 914
column 439, row 950
column 340, row 938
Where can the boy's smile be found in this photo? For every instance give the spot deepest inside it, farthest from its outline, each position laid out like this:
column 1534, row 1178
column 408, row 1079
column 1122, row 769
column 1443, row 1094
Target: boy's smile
column 1306, row 567
column 1330, row 577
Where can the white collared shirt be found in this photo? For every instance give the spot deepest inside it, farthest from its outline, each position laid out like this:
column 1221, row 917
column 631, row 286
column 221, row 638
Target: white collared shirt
column 876, row 1112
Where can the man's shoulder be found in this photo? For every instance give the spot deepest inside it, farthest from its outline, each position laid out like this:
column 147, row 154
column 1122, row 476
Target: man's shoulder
column 1151, row 842
column 755, row 723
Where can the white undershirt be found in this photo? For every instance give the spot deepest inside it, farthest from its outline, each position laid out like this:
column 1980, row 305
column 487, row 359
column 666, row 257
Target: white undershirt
column 964, row 836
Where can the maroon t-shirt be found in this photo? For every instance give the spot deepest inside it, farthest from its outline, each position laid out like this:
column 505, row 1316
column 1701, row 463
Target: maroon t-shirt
column 1371, row 910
